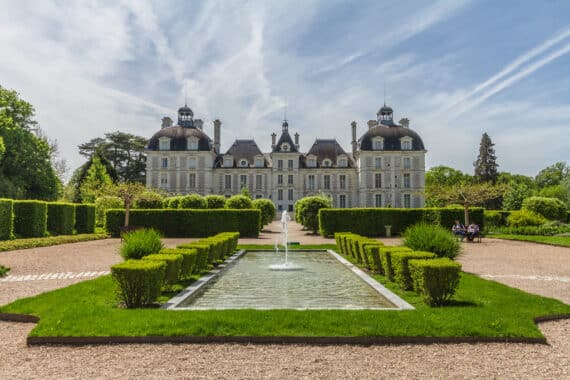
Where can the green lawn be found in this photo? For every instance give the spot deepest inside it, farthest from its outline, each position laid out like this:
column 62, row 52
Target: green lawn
column 11, row 245
column 552, row 240
column 481, row 308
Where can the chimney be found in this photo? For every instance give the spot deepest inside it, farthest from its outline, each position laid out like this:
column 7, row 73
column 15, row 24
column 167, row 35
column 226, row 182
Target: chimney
column 198, row 123
column 372, row 123
column 405, row 122
column 217, row 126
column 296, row 140
column 354, row 143
column 273, row 137
column 166, row 122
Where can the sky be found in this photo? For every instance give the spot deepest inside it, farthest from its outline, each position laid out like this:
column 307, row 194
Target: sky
column 455, row 68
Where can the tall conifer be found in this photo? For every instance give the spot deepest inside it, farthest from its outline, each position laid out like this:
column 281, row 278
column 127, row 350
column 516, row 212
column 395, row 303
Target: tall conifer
column 486, row 164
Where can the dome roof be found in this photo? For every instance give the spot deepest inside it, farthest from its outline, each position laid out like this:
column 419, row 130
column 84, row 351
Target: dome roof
column 178, row 138
column 185, row 110
column 385, row 110
column 392, row 136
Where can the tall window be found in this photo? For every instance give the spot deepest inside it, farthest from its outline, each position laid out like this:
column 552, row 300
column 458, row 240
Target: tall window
column 342, row 201
column 163, row 181
column 378, row 180
column 192, row 180
column 378, row 144
column 311, row 182
column 378, row 200
column 290, row 179
column 290, row 164
column 228, row 181
column 280, row 179
column 327, row 183
column 407, row 163
column 242, row 180
column 342, row 181
column 406, row 145
column 191, row 162
column 280, row 194
column 279, row 164
column 378, row 162
column 290, row 194
column 258, row 181
column 164, row 164
column 342, row 163
column 407, row 200
column 406, row 180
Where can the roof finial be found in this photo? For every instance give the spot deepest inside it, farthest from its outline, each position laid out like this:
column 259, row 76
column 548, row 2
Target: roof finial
column 185, row 95
column 285, row 112
column 384, row 94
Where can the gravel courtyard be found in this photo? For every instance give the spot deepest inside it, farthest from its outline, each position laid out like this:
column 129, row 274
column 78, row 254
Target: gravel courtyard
column 535, row 268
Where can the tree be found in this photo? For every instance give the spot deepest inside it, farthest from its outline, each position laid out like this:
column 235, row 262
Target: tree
column 468, row 195
column 127, row 191
column 72, row 189
column 514, row 196
column 97, row 182
column 486, row 164
column 439, row 176
column 267, row 209
column 552, row 175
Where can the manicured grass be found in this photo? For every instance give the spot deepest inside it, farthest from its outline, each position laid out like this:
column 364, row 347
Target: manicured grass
column 11, row 245
column 481, row 308
column 563, row 241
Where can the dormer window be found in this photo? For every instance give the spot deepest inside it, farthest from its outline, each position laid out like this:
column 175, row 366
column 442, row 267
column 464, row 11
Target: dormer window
column 192, row 143
column 378, row 143
column 228, row 162
column 164, row 143
column 243, row 163
column 327, row 163
column 312, row 163
column 258, row 162
column 285, row 147
column 406, row 143
column 342, row 163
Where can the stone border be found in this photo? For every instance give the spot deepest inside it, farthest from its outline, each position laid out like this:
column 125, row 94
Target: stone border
column 24, row 318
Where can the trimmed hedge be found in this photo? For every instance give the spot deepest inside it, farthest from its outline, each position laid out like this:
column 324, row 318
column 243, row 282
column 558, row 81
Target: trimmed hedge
column 436, row 280
column 173, row 265
column 202, row 254
column 496, row 218
column 85, row 218
column 30, row 218
column 550, row 208
column 61, row 218
column 373, row 255
column 401, row 269
column 6, row 219
column 386, row 259
column 139, row 281
column 372, row 221
column 214, row 249
column 189, row 257
column 188, row 223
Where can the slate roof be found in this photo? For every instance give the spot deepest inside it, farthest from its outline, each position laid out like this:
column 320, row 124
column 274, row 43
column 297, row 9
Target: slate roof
column 285, row 137
column 245, row 149
column 328, row 148
column 392, row 135
column 178, row 138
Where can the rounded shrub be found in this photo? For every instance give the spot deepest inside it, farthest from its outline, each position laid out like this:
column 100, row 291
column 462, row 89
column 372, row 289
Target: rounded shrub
column 550, row 208
column 173, row 202
column 524, row 217
column 149, row 200
column 432, row 238
column 103, row 204
column 192, row 201
column 267, row 209
column 307, row 211
column 173, row 264
column 215, row 201
column 140, row 243
column 239, row 202
column 139, row 281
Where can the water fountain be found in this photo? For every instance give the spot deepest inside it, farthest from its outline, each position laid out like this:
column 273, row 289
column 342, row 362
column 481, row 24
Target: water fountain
column 286, row 266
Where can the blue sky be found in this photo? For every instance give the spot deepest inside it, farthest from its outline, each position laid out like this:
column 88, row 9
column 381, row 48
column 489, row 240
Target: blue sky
column 455, row 68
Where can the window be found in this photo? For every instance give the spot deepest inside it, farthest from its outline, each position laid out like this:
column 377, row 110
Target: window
column 406, row 145
column 342, row 181
column 164, row 143
column 290, row 164
column 312, row 163
column 285, row 147
column 407, row 163
column 327, row 163
column 342, row 163
column 228, row 162
column 342, row 201
column 164, row 164
column 258, row 181
column 192, row 180
column 290, row 208
column 258, row 162
column 406, row 180
column 279, row 164
column 312, row 182
column 378, row 143
column 378, row 200
column 290, row 179
column 407, row 201
column 378, row 162
column 242, row 180
column 163, row 181
column 378, row 180
column 327, row 182
column 243, row 163
column 191, row 163
column 280, row 179
column 228, row 181
column 280, row 194
column 290, row 194
column 192, row 143
column 258, row 196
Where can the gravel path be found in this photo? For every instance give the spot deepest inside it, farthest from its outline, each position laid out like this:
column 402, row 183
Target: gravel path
column 535, row 268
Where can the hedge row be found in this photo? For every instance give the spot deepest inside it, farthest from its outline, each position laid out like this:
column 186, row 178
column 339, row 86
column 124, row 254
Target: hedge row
column 29, row 218
column 188, row 223
column 372, row 221
column 214, row 249
column 434, row 279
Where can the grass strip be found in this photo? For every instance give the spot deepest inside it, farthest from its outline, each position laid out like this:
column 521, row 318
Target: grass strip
column 563, row 241
column 11, row 245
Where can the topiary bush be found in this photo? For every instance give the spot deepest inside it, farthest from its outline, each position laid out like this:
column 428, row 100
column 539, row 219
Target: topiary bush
column 524, row 217
column 307, row 211
column 139, row 281
column 149, row 200
column 61, row 218
column 215, row 201
column 140, row 243
column 102, row 204
column 373, row 255
column 203, row 254
column 192, row 201
column 267, row 209
column 436, row 280
column 173, row 202
column 385, row 254
column 432, row 238
column 189, row 256
column 85, row 218
column 239, row 202
column 401, row 268
column 6, row 219
column 30, row 218
column 173, row 264
column 550, row 208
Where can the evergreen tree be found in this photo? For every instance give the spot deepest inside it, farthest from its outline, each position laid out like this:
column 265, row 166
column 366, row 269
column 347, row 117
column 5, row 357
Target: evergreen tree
column 486, row 164
column 97, row 181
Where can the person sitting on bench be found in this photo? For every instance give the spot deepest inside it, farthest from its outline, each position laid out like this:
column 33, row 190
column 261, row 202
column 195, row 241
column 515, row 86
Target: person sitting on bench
column 472, row 231
column 458, row 230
